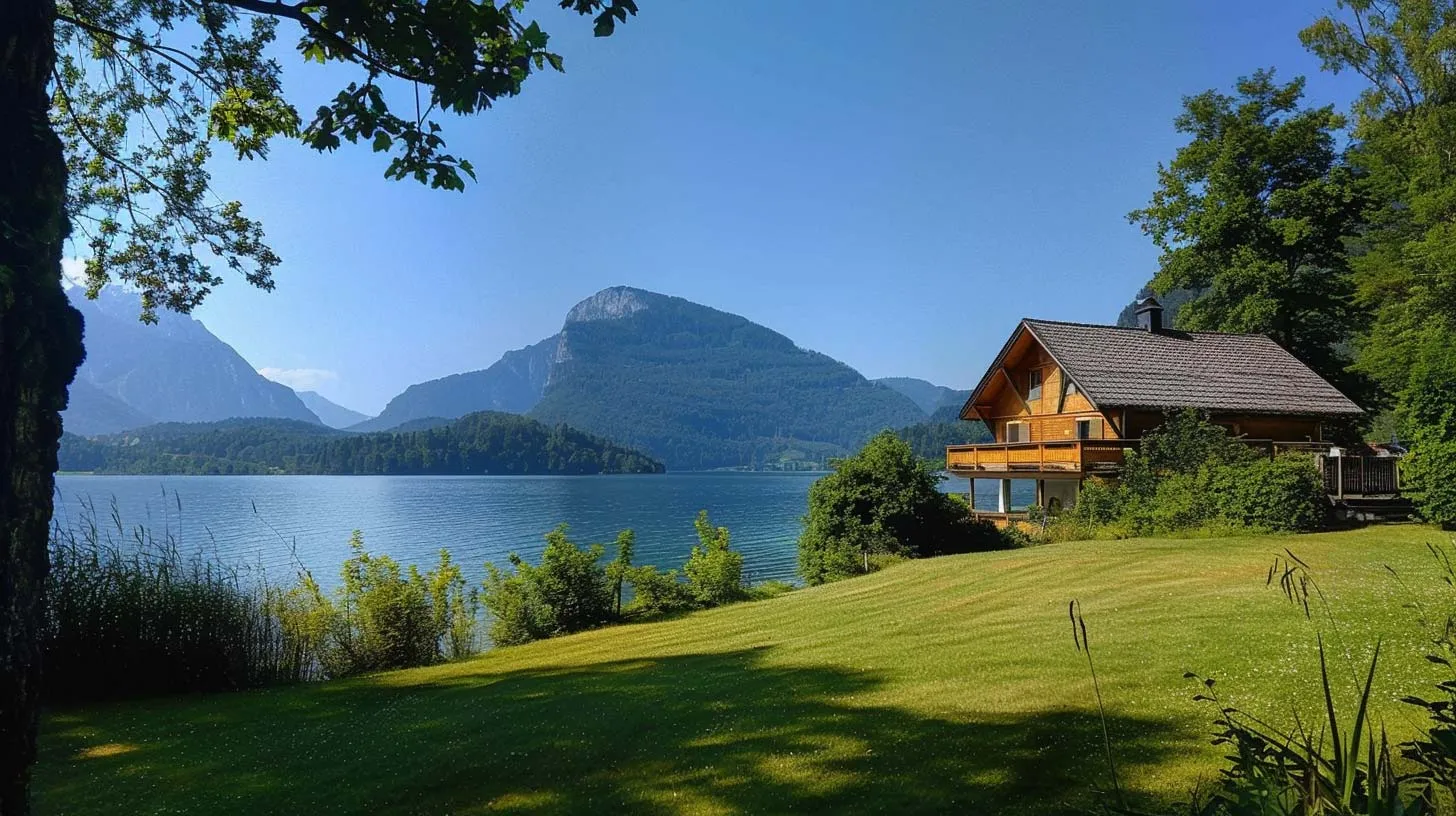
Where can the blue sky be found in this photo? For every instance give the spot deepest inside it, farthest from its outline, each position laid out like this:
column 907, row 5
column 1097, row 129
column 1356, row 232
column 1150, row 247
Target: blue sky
column 893, row 184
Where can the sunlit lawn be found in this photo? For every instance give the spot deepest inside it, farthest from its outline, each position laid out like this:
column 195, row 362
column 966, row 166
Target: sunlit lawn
column 947, row 684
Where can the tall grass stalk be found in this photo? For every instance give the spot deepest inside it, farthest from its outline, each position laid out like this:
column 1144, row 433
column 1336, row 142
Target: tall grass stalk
column 127, row 614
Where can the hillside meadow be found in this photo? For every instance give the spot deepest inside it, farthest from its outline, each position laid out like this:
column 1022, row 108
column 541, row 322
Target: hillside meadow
column 943, row 684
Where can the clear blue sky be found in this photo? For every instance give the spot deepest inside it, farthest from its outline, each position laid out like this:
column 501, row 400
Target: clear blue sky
column 893, row 184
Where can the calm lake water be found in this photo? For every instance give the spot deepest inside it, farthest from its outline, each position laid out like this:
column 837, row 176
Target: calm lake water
column 263, row 520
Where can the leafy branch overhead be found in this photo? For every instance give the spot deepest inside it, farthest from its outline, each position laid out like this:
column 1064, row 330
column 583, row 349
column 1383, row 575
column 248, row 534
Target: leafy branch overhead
column 144, row 88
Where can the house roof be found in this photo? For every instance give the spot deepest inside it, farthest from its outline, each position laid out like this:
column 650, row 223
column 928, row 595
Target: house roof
column 1211, row 371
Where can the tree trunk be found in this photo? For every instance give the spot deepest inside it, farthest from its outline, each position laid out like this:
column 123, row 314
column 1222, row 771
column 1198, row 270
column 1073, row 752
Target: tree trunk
column 40, row 349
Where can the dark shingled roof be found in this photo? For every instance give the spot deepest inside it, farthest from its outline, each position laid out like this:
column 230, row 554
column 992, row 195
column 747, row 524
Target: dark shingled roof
column 1135, row 368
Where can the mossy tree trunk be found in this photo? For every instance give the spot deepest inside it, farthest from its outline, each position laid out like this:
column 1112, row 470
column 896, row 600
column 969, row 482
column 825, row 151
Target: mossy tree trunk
column 40, row 349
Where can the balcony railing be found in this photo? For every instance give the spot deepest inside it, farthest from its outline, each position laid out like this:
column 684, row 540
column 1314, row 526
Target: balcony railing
column 1075, row 456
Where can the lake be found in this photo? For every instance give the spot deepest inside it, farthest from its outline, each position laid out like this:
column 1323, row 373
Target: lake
column 262, row 520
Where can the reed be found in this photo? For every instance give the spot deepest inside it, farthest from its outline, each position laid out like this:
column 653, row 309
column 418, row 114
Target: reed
column 128, row 615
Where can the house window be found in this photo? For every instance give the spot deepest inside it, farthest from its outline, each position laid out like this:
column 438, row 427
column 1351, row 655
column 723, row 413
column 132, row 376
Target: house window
column 1089, row 428
column 1018, row 432
column 1033, row 390
column 1069, row 389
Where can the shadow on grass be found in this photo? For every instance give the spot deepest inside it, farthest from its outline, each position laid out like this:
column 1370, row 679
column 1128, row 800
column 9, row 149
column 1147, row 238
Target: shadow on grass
column 700, row 733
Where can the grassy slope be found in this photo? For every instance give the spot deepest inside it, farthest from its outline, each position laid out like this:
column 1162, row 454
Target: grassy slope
column 947, row 683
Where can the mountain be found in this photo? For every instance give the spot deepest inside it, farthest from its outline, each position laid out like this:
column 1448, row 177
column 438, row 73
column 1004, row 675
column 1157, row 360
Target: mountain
column 173, row 371
column 513, row 385
column 481, row 444
column 927, row 395
column 701, row 388
column 694, row 386
column 93, row 411
column 329, row 412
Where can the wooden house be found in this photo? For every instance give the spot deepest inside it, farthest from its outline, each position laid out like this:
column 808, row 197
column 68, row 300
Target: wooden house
column 1063, row 401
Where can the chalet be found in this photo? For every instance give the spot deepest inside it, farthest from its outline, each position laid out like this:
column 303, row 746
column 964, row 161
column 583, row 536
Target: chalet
column 1063, row 401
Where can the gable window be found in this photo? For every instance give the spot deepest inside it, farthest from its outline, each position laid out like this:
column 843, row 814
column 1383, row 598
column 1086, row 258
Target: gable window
column 1018, row 432
column 1033, row 389
column 1089, row 428
column 1069, row 389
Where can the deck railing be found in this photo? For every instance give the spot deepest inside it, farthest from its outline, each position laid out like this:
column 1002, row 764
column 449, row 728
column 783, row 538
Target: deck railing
column 1073, row 456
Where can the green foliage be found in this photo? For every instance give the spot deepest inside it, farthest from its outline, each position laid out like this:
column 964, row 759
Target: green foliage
column 480, row 443
column 621, row 567
column 138, row 114
column 128, row 616
column 1190, row 475
column 657, row 593
column 1282, row 494
column 713, row 569
column 1428, row 412
column 382, row 616
column 1253, row 213
column 882, row 501
column 930, row 439
column 1404, row 123
column 568, row 592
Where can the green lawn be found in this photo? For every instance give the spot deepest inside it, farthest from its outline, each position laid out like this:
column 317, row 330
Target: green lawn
column 946, row 684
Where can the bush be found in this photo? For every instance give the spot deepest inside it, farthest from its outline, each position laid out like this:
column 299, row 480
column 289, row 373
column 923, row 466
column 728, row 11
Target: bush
column 568, row 592
column 714, row 571
column 381, row 617
column 1428, row 412
column 1283, row 494
column 658, row 593
column 882, row 501
column 1100, row 501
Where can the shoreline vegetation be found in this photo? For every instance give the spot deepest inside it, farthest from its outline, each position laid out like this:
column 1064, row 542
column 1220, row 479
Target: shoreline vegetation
column 484, row 443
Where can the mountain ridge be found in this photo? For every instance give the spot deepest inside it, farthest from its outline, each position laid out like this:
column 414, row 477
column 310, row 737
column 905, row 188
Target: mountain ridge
column 693, row 385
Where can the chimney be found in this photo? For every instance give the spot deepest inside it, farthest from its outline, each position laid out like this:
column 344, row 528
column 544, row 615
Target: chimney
column 1150, row 314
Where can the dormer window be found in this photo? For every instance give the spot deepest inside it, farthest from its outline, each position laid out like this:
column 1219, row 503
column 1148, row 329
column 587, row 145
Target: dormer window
column 1033, row 389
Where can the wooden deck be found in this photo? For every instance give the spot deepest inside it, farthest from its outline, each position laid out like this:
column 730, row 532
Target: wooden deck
column 1032, row 458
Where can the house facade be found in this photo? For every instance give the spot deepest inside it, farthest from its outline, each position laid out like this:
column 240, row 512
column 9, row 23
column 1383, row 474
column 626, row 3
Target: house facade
column 1064, row 400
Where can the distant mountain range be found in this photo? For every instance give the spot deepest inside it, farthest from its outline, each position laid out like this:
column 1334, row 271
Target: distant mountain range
column 692, row 386
column 174, row 371
column 927, row 395
column 329, row 412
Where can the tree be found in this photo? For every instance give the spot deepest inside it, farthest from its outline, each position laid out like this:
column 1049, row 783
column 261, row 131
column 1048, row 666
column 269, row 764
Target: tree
column 108, row 110
column 714, row 569
column 1255, row 211
column 882, row 501
column 1405, row 124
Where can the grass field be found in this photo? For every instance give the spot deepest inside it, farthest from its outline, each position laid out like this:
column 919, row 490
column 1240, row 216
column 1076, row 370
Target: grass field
column 937, row 685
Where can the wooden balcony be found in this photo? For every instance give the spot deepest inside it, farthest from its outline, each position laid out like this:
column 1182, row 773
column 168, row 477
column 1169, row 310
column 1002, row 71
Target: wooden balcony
column 1030, row 458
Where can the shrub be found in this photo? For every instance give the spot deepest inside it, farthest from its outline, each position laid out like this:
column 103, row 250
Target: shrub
column 568, row 592
column 769, row 589
column 1283, row 494
column 381, row 617
column 882, row 501
column 658, row 593
column 1100, row 501
column 714, row 571
column 518, row 612
column 1430, row 470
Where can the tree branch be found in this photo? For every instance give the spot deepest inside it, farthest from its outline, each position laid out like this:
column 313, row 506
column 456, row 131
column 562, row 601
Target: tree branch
column 276, row 8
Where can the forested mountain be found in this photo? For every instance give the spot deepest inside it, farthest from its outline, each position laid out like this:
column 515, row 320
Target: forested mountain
column 513, row 385
column 329, row 412
column 479, row 444
column 1172, row 303
column 700, row 388
column 174, row 371
column 927, row 395
column 694, row 386
column 929, row 439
